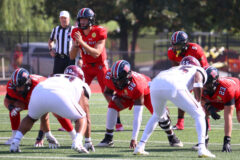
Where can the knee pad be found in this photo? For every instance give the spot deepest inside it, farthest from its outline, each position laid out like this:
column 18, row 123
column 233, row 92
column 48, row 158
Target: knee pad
column 165, row 125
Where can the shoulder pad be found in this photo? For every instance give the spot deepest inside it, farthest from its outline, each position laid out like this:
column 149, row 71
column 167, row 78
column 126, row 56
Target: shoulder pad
column 204, row 74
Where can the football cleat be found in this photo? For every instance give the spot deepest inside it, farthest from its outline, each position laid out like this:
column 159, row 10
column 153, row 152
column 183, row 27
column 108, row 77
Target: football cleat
column 107, row 141
column 119, row 127
column 140, row 151
column 204, row 153
column 14, row 147
column 196, row 147
column 174, row 141
column 9, row 141
column 39, row 143
column 61, row 129
column 79, row 148
column 89, row 146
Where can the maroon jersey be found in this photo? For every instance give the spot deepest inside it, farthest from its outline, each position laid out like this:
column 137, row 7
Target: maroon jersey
column 96, row 34
column 138, row 86
column 227, row 90
column 193, row 50
column 13, row 94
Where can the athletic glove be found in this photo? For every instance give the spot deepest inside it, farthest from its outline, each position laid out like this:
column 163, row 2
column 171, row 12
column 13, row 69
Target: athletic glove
column 89, row 146
column 213, row 112
column 53, row 143
column 226, row 144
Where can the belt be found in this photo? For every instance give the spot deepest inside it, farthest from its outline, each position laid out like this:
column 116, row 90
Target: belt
column 62, row 56
column 92, row 64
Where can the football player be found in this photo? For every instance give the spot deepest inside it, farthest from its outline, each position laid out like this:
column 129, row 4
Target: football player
column 180, row 48
column 128, row 89
column 89, row 40
column 19, row 91
column 175, row 85
column 64, row 94
column 222, row 93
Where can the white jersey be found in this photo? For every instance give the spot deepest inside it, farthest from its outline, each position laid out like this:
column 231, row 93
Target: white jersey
column 181, row 76
column 71, row 85
column 59, row 94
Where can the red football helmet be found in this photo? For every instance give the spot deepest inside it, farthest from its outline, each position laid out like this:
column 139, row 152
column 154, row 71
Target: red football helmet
column 75, row 71
column 190, row 60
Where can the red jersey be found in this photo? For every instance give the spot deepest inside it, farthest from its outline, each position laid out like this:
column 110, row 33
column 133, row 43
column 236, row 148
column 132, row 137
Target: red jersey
column 96, row 34
column 227, row 90
column 193, row 50
column 13, row 94
column 138, row 86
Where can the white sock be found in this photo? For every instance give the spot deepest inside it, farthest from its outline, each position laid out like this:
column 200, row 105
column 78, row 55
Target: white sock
column 201, row 129
column 151, row 125
column 18, row 136
column 111, row 118
column 72, row 134
column 78, row 137
column 14, row 133
column 88, row 139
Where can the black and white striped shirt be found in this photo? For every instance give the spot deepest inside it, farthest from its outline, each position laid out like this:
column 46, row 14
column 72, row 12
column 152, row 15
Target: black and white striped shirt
column 63, row 40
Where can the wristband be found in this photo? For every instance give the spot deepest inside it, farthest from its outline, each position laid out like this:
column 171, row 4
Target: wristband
column 198, row 85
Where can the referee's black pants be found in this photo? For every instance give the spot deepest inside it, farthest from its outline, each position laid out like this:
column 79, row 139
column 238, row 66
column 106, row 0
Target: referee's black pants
column 61, row 62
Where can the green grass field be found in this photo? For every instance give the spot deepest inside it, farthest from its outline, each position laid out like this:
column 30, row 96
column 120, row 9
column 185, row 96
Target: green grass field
column 157, row 145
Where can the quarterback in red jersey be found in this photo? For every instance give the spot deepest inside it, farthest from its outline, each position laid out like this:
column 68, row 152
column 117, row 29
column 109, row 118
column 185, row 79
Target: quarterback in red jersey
column 90, row 39
column 222, row 93
column 127, row 89
column 19, row 91
column 180, row 48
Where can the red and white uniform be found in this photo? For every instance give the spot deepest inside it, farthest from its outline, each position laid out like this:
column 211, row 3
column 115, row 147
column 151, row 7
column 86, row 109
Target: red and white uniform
column 227, row 90
column 14, row 94
column 59, row 94
column 93, row 67
column 193, row 50
column 139, row 86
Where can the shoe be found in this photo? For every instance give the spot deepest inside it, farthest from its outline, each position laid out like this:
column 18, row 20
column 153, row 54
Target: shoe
column 204, row 153
column 61, row 129
column 119, row 127
column 9, row 141
column 14, row 147
column 196, row 147
column 107, row 141
column 140, row 151
column 39, row 143
column 178, row 127
column 174, row 141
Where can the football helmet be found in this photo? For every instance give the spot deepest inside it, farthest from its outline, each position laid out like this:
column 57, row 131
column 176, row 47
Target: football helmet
column 179, row 42
column 21, row 77
column 190, row 60
column 86, row 13
column 121, row 74
column 211, row 84
column 75, row 71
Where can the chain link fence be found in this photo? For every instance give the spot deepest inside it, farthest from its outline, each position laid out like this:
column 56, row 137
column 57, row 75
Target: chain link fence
column 222, row 50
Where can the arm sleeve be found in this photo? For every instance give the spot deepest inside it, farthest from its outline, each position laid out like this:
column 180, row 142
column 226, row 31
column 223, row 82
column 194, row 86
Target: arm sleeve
column 138, row 110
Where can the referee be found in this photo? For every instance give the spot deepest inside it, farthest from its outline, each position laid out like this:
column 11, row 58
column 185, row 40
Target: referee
column 62, row 37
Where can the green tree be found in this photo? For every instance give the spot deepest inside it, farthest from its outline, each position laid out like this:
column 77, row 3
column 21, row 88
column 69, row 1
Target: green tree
column 23, row 15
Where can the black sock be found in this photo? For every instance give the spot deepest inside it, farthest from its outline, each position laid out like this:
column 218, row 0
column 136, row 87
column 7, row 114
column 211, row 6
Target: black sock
column 118, row 120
